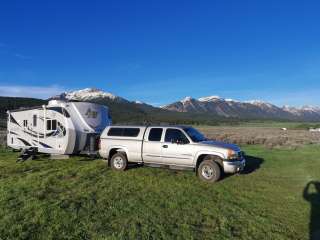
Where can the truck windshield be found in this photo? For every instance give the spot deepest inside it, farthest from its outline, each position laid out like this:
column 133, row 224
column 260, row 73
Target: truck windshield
column 194, row 134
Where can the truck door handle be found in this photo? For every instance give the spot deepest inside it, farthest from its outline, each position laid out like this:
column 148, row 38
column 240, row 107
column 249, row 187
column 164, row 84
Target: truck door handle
column 165, row 146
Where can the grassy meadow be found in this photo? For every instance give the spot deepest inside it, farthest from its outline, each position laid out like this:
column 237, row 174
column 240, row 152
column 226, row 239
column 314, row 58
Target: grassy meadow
column 78, row 198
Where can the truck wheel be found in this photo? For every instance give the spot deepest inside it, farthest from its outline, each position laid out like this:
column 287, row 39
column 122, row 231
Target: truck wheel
column 119, row 162
column 209, row 171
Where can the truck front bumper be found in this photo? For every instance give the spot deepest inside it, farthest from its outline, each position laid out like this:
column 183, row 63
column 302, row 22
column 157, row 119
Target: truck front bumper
column 234, row 166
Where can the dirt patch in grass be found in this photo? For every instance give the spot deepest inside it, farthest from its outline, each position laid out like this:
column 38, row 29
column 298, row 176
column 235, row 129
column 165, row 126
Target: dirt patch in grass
column 269, row 137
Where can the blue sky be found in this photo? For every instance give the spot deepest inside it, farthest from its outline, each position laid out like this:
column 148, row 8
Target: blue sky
column 162, row 51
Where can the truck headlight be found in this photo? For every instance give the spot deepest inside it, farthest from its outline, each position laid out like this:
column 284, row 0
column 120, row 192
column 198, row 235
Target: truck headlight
column 232, row 154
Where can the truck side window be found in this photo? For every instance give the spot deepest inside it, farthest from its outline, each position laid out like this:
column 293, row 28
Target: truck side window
column 176, row 136
column 155, row 134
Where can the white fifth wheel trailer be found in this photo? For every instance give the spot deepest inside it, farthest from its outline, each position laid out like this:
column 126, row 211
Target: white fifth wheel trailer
column 60, row 128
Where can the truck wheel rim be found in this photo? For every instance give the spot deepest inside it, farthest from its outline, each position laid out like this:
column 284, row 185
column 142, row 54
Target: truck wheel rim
column 207, row 172
column 118, row 162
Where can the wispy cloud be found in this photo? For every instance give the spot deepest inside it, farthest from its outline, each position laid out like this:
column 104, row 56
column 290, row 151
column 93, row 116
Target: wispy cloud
column 31, row 91
column 22, row 56
column 12, row 52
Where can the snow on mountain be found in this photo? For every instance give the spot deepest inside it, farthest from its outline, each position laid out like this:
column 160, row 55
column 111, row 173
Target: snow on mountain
column 260, row 103
column 230, row 100
column 302, row 110
column 186, row 99
column 209, row 99
column 88, row 94
column 292, row 110
column 310, row 108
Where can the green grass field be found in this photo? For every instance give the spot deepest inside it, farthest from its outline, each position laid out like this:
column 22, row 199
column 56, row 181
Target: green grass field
column 79, row 198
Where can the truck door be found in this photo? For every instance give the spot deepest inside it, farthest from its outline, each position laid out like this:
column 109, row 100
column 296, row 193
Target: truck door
column 176, row 148
column 152, row 145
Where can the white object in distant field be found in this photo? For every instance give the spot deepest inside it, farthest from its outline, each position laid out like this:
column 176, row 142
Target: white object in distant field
column 314, row 129
column 284, row 129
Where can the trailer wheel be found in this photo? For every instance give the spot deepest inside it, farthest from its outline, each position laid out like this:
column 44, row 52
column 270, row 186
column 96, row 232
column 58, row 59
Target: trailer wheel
column 209, row 171
column 119, row 162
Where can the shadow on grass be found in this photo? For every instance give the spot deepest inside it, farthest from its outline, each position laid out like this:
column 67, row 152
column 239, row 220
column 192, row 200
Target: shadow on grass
column 311, row 193
column 85, row 158
column 133, row 165
column 252, row 164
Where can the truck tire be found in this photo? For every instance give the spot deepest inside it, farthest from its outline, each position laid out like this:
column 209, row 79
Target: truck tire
column 119, row 162
column 209, row 171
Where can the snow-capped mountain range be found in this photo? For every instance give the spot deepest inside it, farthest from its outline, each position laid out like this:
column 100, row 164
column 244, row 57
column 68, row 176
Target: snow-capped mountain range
column 214, row 105
column 94, row 94
column 88, row 94
column 248, row 109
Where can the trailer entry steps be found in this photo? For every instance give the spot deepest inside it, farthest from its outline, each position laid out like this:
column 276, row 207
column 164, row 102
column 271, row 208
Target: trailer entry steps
column 28, row 153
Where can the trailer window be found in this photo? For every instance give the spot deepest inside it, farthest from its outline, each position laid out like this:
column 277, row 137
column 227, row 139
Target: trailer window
column 155, row 134
column 52, row 124
column 34, row 120
column 25, row 123
column 48, row 124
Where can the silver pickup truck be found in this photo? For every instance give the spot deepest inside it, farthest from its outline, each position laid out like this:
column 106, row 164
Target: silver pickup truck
column 176, row 147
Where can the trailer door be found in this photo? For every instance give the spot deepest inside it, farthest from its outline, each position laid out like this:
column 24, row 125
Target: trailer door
column 35, row 127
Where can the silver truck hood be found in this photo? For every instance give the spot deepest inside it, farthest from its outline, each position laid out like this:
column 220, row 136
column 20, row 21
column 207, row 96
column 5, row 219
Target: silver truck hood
column 220, row 144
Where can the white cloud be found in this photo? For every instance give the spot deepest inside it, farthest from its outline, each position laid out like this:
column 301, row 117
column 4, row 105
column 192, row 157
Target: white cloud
column 30, row 91
column 21, row 56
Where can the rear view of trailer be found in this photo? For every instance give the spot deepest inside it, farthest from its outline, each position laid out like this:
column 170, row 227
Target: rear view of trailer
column 58, row 128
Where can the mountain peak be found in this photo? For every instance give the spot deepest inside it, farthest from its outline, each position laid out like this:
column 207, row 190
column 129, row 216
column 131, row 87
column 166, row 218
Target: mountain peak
column 186, row 99
column 88, row 94
column 209, row 99
column 310, row 108
column 259, row 103
column 138, row 102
